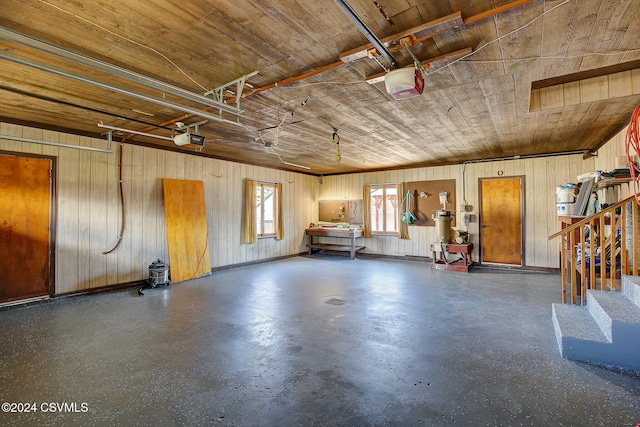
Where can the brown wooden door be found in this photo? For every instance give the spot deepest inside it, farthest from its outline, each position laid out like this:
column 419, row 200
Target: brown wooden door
column 25, row 214
column 501, row 221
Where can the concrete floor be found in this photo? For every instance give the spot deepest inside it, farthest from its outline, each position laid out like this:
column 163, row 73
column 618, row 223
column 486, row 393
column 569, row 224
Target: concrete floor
column 318, row 340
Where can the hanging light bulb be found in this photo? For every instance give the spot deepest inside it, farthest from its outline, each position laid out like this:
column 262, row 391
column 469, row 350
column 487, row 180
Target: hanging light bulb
column 338, row 156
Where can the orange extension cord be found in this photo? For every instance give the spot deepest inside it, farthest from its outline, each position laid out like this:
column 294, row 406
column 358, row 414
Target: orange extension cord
column 632, row 147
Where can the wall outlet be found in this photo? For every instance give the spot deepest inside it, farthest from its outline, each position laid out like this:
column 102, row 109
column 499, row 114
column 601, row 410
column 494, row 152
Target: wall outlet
column 469, row 217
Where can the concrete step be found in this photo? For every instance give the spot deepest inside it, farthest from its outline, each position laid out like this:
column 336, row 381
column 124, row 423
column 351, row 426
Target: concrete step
column 576, row 331
column 631, row 288
column 606, row 331
column 580, row 338
column 612, row 309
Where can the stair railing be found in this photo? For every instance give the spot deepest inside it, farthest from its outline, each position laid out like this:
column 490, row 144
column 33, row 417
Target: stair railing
column 596, row 249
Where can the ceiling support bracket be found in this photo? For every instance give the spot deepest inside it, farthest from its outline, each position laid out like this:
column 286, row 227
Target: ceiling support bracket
column 181, row 127
column 221, row 93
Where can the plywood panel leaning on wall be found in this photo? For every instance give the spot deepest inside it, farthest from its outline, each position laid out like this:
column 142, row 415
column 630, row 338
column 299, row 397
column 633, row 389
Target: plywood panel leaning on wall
column 187, row 235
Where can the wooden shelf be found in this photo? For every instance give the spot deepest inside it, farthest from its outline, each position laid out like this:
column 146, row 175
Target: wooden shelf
column 333, row 247
column 611, row 182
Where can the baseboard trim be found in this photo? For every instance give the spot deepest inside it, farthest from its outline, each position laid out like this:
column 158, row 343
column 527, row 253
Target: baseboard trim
column 24, row 302
column 518, row 268
column 258, row 261
column 429, row 259
column 138, row 283
column 101, row 289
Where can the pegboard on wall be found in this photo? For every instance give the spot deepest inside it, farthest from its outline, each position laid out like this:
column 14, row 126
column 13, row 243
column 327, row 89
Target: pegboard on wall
column 423, row 207
column 340, row 211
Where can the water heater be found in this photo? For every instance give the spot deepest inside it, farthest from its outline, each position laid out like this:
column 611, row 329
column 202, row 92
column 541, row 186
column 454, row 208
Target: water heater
column 443, row 226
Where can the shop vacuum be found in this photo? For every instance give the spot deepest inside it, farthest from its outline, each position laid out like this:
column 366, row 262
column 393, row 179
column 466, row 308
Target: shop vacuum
column 158, row 276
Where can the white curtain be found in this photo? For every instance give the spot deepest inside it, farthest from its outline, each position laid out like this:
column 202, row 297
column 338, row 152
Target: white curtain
column 250, row 231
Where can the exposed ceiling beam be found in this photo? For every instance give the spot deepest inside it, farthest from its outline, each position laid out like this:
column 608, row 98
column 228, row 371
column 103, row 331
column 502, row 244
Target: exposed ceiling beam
column 496, row 11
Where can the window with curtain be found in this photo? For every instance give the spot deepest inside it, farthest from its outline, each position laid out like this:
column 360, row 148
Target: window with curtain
column 384, row 209
column 266, row 209
column 263, row 210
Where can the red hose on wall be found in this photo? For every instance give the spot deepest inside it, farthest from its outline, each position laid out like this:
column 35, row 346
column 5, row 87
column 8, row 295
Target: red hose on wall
column 632, row 148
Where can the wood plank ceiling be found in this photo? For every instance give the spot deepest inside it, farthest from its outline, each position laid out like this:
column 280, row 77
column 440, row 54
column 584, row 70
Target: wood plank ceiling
column 474, row 106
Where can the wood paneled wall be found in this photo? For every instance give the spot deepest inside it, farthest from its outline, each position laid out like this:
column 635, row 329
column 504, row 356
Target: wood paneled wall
column 88, row 208
column 541, row 176
column 88, row 213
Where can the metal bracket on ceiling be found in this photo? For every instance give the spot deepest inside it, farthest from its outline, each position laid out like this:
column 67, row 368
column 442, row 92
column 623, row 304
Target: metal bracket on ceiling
column 225, row 94
column 109, row 135
column 416, row 61
column 181, row 127
column 380, row 47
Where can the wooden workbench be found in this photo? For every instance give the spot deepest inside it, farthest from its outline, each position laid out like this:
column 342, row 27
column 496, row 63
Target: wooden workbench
column 351, row 234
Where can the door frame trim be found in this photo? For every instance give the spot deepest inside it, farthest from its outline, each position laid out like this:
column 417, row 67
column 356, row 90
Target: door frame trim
column 522, row 220
column 53, row 213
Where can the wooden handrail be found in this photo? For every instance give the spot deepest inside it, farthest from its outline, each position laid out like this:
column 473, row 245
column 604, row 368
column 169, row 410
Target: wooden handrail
column 605, row 247
column 586, row 219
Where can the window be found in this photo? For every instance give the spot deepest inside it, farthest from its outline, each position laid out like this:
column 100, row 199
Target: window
column 263, row 211
column 266, row 209
column 384, row 209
